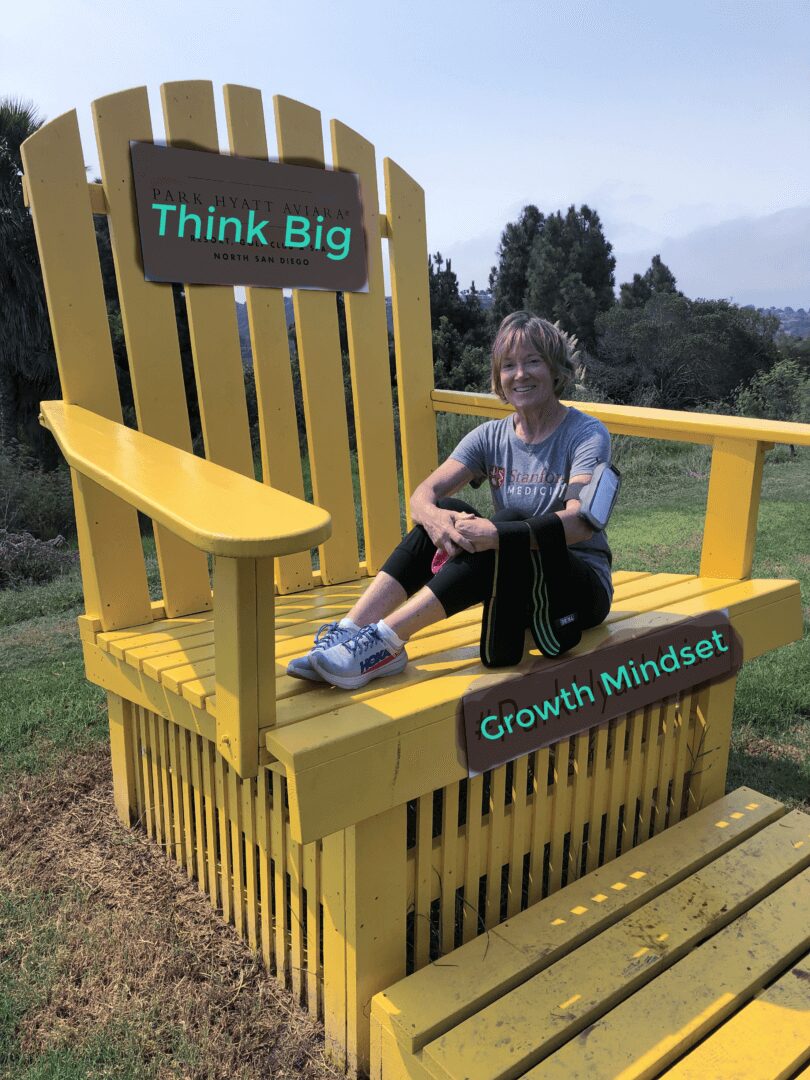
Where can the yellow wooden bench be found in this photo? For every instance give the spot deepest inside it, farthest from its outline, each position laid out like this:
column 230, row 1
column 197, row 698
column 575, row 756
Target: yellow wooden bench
column 337, row 831
column 660, row 957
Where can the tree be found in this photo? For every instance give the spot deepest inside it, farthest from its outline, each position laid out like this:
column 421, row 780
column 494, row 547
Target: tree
column 657, row 279
column 678, row 353
column 508, row 280
column 27, row 361
column 570, row 273
column 465, row 315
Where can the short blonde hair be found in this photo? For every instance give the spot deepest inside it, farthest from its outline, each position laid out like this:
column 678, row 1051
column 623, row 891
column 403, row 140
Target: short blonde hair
column 557, row 348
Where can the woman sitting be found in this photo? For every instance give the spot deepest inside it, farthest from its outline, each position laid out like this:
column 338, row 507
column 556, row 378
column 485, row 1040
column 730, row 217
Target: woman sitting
column 536, row 460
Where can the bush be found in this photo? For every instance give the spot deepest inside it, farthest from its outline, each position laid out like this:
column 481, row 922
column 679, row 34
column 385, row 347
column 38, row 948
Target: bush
column 31, row 499
column 24, row 560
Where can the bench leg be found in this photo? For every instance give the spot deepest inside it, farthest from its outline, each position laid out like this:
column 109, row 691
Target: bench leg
column 122, row 750
column 364, row 928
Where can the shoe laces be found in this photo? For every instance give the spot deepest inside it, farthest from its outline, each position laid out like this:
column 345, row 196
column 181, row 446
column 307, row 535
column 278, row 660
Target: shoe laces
column 363, row 638
column 327, row 635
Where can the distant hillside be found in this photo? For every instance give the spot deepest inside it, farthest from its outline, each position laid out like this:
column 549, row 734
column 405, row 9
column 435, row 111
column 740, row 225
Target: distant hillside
column 796, row 323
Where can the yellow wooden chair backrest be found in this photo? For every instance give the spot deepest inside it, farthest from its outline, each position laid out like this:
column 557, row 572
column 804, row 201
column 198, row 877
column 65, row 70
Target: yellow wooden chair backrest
column 62, row 204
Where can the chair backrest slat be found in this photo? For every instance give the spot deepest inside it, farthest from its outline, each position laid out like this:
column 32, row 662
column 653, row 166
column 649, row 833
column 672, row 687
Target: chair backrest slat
column 300, row 141
column 190, row 120
column 150, row 331
column 367, row 332
column 410, row 297
column 112, row 562
column 278, row 431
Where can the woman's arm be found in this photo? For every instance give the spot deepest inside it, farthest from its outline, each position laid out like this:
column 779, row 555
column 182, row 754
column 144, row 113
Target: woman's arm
column 440, row 525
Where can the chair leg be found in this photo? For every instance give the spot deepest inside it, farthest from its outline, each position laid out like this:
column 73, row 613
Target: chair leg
column 365, row 911
column 122, row 749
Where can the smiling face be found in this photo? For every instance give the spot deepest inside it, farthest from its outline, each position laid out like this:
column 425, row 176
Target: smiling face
column 526, row 378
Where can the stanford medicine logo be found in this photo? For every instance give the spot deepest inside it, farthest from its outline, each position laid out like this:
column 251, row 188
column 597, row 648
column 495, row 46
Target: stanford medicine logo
column 497, row 475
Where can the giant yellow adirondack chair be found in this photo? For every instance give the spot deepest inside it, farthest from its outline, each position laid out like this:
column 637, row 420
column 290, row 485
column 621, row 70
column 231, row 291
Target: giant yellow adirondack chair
column 337, row 831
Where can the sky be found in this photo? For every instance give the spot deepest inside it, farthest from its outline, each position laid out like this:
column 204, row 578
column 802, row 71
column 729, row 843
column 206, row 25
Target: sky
column 684, row 124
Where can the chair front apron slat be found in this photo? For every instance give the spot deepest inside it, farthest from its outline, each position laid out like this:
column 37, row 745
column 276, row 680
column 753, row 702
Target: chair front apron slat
column 150, row 331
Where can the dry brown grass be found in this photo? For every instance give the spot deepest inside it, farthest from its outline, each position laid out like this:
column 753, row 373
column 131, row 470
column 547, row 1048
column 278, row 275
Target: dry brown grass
column 134, row 940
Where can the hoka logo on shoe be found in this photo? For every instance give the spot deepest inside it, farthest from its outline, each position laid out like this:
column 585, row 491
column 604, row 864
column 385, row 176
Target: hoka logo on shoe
column 373, row 661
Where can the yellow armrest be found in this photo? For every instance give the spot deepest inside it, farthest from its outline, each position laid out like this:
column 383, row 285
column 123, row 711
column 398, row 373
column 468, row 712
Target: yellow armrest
column 677, row 425
column 211, row 507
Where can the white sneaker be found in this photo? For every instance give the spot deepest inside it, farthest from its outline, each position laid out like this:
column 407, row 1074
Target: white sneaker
column 363, row 657
column 328, row 635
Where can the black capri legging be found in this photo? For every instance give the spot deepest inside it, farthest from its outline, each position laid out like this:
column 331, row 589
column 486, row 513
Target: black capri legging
column 466, row 579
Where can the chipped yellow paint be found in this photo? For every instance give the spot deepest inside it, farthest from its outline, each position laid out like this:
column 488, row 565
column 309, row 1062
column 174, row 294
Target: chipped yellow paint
column 721, row 824
column 618, row 886
column 638, row 874
column 736, row 814
column 578, row 910
column 557, row 922
column 599, row 898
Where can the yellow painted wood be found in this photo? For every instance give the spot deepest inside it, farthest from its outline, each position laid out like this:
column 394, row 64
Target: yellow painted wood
column 666, row 766
column 541, row 824
column 376, row 905
column 270, row 346
column 580, row 800
column 312, row 885
column 433, row 1000
column 198, row 810
column 730, row 529
column 164, row 777
column 262, row 817
column 616, row 777
column 207, row 505
column 651, row 744
column 190, row 121
column 519, row 842
column 683, row 721
column 424, row 871
column 634, row 420
column 367, row 332
column 295, row 872
column 360, row 744
column 279, row 849
column 237, row 869
column 157, row 803
column 60, row 209
column 248, row 796
column 300, row 141
column 560, row 813
column 146, row 772
column 335, row 947
column 549, row 1009
column 707, row 756
column 180, row 822
column 243, row 635
column 451, row 878
column 123, row 758
column 599, row 797
column 472, row 866
column 184, row 766
column 209, row 785
column 225, row 865
column 410, row 297
column 496, row 854
column 113, row 675
column 666, row 1018
column 768, row 1037
column 150, row 332
column 138, row 753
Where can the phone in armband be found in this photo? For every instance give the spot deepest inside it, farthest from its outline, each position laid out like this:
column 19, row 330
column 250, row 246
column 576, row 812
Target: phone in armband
column 598, row 497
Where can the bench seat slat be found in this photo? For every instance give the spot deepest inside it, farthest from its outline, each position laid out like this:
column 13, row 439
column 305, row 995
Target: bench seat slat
column 528, row 1024
column 769, row 1037
column 671, row 1014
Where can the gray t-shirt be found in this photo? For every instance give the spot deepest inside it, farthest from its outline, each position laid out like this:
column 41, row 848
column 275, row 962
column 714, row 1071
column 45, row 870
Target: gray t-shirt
column 531, row 477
